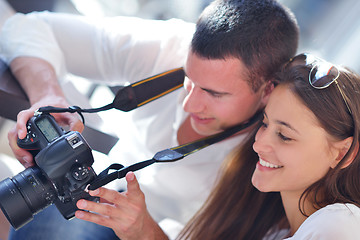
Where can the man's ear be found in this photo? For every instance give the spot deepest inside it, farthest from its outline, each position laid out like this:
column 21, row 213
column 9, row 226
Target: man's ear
column 269, row 87
column 343, row 147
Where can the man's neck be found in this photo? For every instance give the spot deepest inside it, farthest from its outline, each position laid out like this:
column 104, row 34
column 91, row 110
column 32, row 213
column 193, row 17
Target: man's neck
column 186, row 133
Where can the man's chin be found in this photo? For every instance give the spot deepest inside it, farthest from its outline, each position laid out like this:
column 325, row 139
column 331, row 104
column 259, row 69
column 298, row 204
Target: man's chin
column 205, row 131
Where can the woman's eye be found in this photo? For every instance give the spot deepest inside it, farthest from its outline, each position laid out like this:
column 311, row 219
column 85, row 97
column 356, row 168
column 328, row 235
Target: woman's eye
column 283, row 137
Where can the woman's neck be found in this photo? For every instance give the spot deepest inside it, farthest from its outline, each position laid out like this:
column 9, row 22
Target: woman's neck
column 291, row 205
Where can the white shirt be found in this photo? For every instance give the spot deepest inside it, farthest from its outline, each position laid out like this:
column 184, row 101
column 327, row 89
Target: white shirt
column 333, row 222
column 120, row 50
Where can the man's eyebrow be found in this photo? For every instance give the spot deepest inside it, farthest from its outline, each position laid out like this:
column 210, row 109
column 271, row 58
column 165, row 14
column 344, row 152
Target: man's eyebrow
column 209, row 90
column 215, row 92
column 283, row 123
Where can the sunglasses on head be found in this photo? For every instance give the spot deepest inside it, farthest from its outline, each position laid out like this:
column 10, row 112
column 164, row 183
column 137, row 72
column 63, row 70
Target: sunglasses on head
column 322, row 73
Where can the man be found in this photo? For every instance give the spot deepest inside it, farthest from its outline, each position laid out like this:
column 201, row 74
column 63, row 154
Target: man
column 229, row 64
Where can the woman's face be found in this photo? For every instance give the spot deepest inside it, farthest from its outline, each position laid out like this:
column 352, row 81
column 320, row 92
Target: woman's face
column 294, row 151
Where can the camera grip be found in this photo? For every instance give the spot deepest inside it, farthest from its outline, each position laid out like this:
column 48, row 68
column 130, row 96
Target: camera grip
column 41, row 130
column 30, row 142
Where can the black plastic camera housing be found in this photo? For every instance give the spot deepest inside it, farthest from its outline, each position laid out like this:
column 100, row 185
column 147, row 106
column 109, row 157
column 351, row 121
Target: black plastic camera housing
column 61, row 174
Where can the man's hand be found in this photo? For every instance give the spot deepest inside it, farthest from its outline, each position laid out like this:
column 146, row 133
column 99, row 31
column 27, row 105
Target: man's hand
column 63, row 119
column 125, row 213
column 38, row 79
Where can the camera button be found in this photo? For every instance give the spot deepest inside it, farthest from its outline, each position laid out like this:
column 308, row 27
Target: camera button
column 80, row 173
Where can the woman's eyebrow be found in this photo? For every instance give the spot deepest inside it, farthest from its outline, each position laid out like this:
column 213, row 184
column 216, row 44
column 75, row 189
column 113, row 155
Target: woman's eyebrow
column 282, row 123
column 286, row 125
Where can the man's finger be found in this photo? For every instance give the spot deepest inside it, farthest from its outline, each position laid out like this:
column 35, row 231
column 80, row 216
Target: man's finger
column 133, row 188
column 104, row 209
column 69, row 119
column 95, row 218
column 22, row 119
column 24, row 157
column 77, row 126
column 109, row 195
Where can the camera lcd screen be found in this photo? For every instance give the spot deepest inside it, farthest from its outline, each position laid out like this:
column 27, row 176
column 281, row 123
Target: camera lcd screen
column 47, row 129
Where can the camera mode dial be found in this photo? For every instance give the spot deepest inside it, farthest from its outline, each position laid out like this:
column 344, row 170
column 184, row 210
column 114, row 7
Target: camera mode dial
column 80, row 173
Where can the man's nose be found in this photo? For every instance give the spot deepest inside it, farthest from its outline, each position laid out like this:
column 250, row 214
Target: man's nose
column 194, row 102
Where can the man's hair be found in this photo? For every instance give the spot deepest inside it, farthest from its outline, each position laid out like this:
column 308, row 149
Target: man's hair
column 263, row 34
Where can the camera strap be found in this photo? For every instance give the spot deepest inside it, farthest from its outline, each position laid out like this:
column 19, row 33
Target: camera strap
column 139, row 94
column 170, row 154
column 132, row 96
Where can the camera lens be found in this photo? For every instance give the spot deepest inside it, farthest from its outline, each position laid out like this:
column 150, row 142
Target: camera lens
column 24, row 195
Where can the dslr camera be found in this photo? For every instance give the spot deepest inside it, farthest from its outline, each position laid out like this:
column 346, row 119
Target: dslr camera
column 61, row 173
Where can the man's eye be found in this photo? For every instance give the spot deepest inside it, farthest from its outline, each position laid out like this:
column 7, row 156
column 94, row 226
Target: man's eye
column 213, row 93
column 264, row 125
column 216, row 95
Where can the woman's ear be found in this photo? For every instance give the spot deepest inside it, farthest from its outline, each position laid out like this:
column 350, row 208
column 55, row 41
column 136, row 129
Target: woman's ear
column 343, row 147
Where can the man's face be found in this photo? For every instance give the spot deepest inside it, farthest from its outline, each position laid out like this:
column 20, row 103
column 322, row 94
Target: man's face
column 218, row 94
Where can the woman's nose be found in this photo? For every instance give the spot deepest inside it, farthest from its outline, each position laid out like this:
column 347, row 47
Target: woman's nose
column 262, row 141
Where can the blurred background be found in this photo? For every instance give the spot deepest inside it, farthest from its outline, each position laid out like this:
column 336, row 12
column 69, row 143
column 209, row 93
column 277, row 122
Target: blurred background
column 328, row 28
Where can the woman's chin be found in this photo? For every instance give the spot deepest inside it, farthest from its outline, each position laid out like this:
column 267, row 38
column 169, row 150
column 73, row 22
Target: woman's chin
column 260, row 184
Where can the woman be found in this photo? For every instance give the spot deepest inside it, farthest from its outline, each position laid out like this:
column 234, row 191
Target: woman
column 307, row 150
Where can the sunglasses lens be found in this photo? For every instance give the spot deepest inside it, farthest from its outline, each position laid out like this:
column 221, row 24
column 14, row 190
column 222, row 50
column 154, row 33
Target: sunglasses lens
column 322, row 73
column 321, row 76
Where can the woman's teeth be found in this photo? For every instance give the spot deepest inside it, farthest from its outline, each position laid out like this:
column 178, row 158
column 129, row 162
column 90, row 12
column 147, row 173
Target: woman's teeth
column 269, row 165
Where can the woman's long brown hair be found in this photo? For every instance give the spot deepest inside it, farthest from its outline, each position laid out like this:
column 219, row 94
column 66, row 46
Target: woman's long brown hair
column 235, row 209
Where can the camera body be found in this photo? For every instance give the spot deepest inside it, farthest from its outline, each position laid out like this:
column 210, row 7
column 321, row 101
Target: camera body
column 61, row 174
